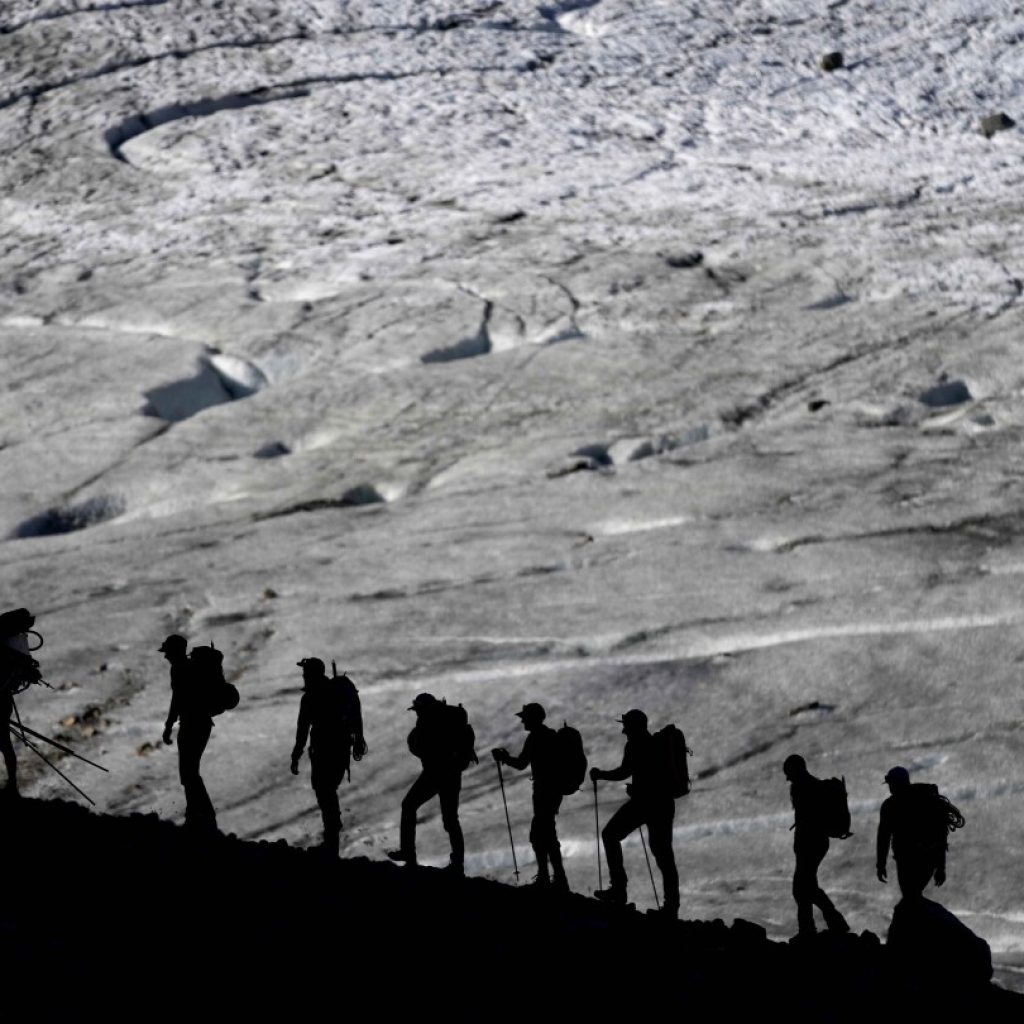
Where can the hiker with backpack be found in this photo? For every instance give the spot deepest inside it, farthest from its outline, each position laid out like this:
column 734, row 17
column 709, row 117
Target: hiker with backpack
column 649, row 761
column 444, row 741
column 915, row 822
column 820, row 812
column 330, row 716
column 550, row 754
column 198, row 693
column 18, row 671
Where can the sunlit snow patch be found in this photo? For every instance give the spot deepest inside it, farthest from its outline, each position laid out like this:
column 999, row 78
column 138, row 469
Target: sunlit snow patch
column 220, row 378
column 617, row 527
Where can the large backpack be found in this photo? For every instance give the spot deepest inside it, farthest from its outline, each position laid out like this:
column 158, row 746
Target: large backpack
column 833, row 810
column 571, row 759
column 18, row 669
column 930, row 817
column 670, row 752
column 213, row 692
column 350, row 707
column 460, row 736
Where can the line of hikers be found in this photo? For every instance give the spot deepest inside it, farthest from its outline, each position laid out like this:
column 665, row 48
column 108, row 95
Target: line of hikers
column 914, row 824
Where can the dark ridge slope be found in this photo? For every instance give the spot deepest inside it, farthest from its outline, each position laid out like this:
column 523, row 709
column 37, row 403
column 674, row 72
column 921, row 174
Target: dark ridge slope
column 104, row 916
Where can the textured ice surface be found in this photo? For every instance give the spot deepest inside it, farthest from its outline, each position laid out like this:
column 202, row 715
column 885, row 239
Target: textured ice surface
column 567, row 351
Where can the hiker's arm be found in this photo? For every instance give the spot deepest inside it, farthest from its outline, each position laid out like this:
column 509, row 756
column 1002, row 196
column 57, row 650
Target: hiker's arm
column 619, row 774
column 301, row 735
column 520, row 762
column 882, row 846
column 358, row 741
column 172, row 716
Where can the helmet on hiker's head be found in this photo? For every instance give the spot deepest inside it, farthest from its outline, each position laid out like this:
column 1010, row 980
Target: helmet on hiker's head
column 794, row 766
column 532, row 713
column 634, row 719
column 312, row 667
column 897, row 776
column 173, row 643
column 422, row 701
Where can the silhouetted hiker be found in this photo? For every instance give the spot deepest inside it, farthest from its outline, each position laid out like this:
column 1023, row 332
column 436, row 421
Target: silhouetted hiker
column 651, row 803
column 915, row 821
column 331, row 716
column 443, row 740
column 18, row 671
column 810, row 844
column 198, row 692
column 541, row 753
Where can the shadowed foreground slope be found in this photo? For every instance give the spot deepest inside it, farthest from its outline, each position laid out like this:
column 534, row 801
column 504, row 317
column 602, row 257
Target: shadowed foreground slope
column 131, row 914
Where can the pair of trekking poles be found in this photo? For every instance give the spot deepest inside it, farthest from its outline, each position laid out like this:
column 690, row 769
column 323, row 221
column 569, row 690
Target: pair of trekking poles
column 22, row 732
column 597, row 834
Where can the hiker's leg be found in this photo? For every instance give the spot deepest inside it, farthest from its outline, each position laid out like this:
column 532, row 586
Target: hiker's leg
column 659, row 831
column 554, row 847
column 809, row 854
column 419, row 793
column 913, row 874
column 326, row 776
column 192, row 739
column 449, row 790
column 625, row 820
column 7, row 747
column 833, row 918
column 542, row 831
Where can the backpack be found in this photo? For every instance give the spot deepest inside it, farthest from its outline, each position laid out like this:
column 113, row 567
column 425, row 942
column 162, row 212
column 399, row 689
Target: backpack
column 344, row 692
column 833, row 810
column 18, row 669
column 215, row 694
column 670, row 752
column 460, row 735
column 571, row 759
column 931, row 817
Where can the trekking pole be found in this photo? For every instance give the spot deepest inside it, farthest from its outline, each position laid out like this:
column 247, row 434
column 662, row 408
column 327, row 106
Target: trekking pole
column 59, row 746
column 39, row 753
column 657, row 903
column 597, row 839
column 508, row 821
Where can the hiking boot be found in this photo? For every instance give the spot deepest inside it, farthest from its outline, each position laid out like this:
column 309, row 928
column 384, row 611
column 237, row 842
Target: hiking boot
column 540, row 882
column 403, row 857
column 838, row 925
column 456, row 867
column 612, row 894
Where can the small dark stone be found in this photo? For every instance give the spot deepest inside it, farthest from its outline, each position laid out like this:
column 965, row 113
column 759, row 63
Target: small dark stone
column 817, row 403
column 272, row 450
column 996, row 123
column 953, row 392
column 832, row 61
column 685, row 260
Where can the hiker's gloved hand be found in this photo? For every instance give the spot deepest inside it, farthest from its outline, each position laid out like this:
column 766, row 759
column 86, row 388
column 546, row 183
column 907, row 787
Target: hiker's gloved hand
column 168, row 739
column 473, row 759
column 500, row 754
column 880, row 871
column 295, row 766
column 359, row 748
column 940, row 876
column 595, row 774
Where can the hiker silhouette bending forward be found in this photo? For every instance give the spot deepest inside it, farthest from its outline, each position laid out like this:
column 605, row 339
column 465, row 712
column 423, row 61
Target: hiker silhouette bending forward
column 331, row 712
column 913, row 821
column 541, row 753
column 18, row 671
column 189, row 706
column 443, row 740
column 810, row 844
column 651, row 803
